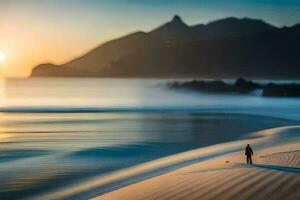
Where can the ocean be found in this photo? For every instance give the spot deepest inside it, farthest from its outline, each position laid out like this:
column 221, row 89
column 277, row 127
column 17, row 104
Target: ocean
column 57, row 132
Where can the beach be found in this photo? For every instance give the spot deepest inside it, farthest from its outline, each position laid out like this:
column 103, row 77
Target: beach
column 149, row 100
column 275, row 174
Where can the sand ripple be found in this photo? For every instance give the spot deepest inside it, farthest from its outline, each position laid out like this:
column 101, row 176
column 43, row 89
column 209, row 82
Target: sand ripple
column 275, row 176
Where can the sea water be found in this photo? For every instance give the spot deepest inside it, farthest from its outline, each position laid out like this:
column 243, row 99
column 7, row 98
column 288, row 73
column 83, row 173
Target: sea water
column 55, row 132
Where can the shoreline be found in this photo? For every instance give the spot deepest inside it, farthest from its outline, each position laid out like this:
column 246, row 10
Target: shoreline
column 265, row 162
column 101, row 186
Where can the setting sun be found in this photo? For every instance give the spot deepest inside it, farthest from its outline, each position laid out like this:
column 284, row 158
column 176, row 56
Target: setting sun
column 2, row 56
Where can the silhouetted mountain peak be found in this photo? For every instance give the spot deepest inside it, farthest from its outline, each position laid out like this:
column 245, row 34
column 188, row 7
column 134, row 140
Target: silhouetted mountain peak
column 223, row 48
column 175, row 26
column 177, row 22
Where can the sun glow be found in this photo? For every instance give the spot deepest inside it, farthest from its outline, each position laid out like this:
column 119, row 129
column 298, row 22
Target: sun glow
column 2, row 56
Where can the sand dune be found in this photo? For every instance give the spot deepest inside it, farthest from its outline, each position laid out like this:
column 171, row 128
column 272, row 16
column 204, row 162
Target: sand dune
column 275, row 175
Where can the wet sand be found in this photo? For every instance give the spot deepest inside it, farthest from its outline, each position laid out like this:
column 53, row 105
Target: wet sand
column 275, row 174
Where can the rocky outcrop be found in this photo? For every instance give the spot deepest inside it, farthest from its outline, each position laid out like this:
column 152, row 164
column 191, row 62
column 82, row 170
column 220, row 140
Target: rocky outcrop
column 285, row 90
column 241, row 86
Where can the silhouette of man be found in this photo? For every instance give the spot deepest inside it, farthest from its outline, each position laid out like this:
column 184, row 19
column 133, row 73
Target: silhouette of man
column 249, row 153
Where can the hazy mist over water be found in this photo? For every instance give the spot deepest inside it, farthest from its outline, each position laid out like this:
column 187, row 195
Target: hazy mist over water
column 96, row 95
column 56, row 131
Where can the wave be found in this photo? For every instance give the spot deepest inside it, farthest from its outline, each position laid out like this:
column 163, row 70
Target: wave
column 106, row 109
column 91, row 109
column 63, row 109
column 291, row 114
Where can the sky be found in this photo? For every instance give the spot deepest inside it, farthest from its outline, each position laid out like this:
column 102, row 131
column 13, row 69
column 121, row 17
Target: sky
column 39, row 31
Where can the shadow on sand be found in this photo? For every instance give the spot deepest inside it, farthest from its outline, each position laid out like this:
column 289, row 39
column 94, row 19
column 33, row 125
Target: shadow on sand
column 262, row 166
column 277, row 168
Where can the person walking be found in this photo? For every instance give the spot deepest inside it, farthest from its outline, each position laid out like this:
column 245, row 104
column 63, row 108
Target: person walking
column 249, row 154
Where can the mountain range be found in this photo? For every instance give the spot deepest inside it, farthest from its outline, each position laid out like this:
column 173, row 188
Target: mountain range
column 226, row 48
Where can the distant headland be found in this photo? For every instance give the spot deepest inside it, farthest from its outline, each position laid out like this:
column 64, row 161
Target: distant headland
column 240, row 86
column 225, row 48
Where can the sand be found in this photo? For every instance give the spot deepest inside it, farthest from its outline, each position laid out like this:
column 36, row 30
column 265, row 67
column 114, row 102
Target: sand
column 275, row 175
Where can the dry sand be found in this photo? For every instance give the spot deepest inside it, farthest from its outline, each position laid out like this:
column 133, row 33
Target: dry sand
column 275, row 175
